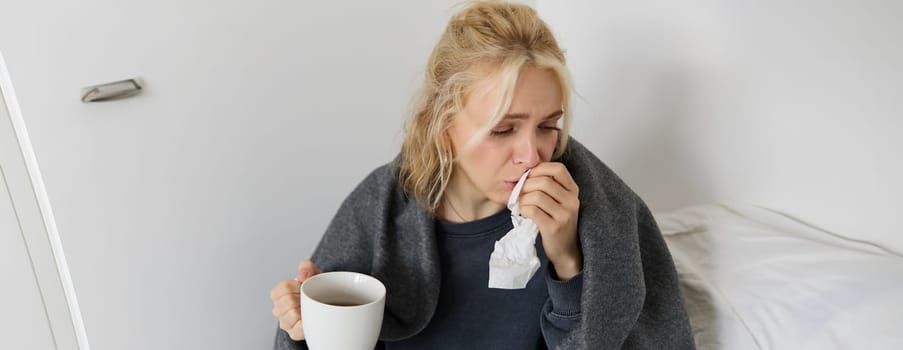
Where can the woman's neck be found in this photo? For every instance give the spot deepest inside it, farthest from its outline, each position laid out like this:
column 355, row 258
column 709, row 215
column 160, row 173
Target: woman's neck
column 463, row 202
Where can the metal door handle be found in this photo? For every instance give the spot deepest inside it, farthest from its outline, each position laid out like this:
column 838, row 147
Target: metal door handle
column 111, row 91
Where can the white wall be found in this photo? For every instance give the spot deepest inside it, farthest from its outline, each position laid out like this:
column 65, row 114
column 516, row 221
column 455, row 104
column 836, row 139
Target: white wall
column 794, row 105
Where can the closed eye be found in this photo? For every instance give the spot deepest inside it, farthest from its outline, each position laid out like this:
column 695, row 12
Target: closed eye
column 504, row 132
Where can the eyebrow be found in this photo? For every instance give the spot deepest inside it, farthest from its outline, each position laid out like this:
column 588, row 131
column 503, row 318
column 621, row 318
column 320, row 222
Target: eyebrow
column 526, row 116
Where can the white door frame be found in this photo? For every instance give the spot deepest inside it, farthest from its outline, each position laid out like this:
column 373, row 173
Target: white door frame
column 42, row 240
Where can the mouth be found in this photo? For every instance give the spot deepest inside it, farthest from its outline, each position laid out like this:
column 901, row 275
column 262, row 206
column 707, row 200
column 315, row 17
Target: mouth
column 510, row 184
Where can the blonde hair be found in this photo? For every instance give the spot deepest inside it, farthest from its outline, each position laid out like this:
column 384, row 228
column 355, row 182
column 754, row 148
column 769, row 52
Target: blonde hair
column 484, row 38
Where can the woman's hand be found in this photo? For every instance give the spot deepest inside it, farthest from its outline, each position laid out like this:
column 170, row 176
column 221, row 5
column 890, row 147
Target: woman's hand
column 549, row 198
column 286, row 298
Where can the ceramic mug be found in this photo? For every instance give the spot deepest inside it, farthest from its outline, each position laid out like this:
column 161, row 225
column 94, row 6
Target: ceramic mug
column 342, row 310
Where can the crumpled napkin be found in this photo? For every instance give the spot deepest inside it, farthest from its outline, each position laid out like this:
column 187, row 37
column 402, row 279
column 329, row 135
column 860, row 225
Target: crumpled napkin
column 513, row 262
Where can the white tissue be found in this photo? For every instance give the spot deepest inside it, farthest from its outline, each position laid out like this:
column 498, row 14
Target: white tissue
column 513, row 262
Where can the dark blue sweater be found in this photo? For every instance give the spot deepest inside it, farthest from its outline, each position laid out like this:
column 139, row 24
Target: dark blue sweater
column 471, row 315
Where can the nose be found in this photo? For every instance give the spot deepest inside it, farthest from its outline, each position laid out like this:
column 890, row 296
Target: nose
column 526, row 151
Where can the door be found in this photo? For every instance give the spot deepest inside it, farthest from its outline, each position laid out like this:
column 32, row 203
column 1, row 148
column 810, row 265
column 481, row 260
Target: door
column 35, row 308
column 23, row 323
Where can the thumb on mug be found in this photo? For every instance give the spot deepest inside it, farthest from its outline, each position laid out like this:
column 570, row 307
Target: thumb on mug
column 306, row 269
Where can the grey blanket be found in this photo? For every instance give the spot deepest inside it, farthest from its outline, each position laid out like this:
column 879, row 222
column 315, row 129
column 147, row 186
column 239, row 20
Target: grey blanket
column 630, row 298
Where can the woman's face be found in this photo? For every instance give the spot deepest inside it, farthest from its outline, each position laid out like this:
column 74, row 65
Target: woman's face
column 490, row 167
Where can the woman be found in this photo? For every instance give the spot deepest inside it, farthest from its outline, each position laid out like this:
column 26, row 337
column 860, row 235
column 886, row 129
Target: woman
column 494, row 105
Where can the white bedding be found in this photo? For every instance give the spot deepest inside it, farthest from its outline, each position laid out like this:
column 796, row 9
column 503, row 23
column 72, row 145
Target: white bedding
column 753, row 278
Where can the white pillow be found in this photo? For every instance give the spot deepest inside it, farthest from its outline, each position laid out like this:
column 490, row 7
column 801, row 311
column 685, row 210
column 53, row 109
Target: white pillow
column 753, row 278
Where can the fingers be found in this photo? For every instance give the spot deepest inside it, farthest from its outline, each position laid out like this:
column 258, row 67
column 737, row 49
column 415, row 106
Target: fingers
column 285, row 303
column 547, row 185
column 540, row 217
column 550, row 194
column 296, row 332
column 291, row 324
column 541, row 207
column 286, row 297
column 285, row 287
column 288, row 318
column 306, row 270
column 556, row 171
column 287, row 307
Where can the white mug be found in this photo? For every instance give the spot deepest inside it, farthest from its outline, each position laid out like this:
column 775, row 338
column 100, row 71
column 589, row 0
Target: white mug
column 342, row 310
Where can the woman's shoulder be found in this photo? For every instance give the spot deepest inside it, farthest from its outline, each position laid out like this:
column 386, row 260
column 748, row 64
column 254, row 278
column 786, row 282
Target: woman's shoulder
column 380, row 185
column 593, row 176
column 583, row 163
column 383, row 176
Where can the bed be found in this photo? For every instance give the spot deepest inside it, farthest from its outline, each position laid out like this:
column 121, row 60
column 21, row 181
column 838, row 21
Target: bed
column 754, row 278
